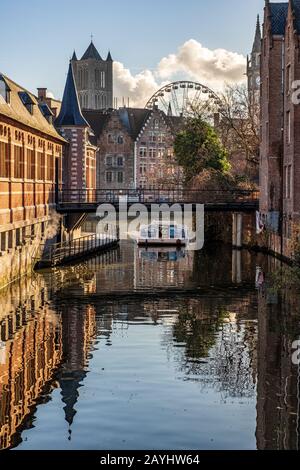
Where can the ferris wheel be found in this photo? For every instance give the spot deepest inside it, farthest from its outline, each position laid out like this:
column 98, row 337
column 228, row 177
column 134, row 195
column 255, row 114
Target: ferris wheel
column 182, row 98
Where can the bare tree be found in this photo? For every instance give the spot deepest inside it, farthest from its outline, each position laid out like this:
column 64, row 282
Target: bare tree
column 239, row 123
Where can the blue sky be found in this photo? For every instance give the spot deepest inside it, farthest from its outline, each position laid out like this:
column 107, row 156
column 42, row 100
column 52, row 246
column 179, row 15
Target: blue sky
column 38, row 37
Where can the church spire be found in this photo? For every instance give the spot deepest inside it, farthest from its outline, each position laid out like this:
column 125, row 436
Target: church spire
column 109, row 57
column 74, row 56
column 257, row 39
column 70, row 113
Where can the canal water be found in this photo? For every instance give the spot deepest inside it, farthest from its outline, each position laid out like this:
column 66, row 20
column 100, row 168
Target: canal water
column 157, row 349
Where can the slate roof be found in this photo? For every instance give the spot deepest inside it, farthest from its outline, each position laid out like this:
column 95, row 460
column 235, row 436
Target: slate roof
column 70, row 112
column 74, row 56
column 45, row 110
column 97, row 120
column 91, row 53
column 296, row 8
column 278, row 12
column 109, row 57
column 134, row 119
column 17, row 111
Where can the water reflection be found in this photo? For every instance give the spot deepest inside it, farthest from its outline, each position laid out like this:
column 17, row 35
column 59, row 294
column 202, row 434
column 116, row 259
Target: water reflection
column 209, row 371
column 31, row 350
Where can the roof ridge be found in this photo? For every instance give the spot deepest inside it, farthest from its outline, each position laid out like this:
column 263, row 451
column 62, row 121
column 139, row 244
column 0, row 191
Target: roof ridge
column 18, row 86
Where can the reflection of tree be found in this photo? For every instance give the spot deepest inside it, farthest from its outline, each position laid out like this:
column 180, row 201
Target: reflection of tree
column 218, row 351
column 199, row 334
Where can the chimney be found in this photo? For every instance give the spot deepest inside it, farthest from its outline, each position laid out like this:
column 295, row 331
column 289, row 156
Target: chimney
column 42, row 94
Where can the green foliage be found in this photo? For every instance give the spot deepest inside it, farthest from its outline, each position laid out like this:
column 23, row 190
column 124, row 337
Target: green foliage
column 199, row 148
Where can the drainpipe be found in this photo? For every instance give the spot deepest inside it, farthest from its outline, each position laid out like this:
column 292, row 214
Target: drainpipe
column 135, row 165
column 282, row 147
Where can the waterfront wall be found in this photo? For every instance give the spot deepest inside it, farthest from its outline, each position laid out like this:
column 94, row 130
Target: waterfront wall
column 22, row 247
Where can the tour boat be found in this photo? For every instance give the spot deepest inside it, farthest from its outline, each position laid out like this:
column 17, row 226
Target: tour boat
column 163, row 233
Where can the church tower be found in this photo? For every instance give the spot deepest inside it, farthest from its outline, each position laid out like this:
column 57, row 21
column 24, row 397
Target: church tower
column 253, row 67
column 79, row 159
column 94, row 79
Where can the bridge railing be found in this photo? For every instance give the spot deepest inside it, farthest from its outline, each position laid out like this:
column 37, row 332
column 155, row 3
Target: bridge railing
column 147, row 196
column 58, row 253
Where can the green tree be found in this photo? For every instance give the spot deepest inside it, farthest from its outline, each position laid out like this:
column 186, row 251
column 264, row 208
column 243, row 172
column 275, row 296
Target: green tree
column 199, row 148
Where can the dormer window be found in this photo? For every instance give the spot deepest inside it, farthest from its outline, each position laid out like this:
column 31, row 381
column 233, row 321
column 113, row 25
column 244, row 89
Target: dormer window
column 4, row 90
column 47, row 113
column 27, row 101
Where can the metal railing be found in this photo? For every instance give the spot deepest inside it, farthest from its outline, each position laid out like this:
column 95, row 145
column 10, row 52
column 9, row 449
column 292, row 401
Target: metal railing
column 60, row 253
column 145, row 196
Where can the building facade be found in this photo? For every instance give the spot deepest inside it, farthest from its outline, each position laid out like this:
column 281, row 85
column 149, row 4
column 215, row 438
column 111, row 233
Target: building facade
column 115, row 156
column 30, row 163
column 135, row 148
column 154, row 150
column 94, row 79
column 280, row 144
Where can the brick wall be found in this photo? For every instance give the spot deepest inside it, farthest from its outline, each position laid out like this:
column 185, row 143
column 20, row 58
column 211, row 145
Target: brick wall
column 115, row 158
column 27, row 190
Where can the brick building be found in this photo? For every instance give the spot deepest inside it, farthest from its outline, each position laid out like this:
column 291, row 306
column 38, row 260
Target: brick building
column 135, row 148
column 280, row 142
column 115, row 141
column 154, row 148
column 79, row 161
column 30, row 160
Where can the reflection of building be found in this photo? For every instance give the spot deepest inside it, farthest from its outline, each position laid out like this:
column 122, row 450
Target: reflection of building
column 78, row 331
column 278, row 407
column 162, row 268
column 31, row 351
column 35, row 344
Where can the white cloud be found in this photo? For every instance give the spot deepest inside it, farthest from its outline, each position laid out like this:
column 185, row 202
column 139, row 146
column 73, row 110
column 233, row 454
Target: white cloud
column 192, row 61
